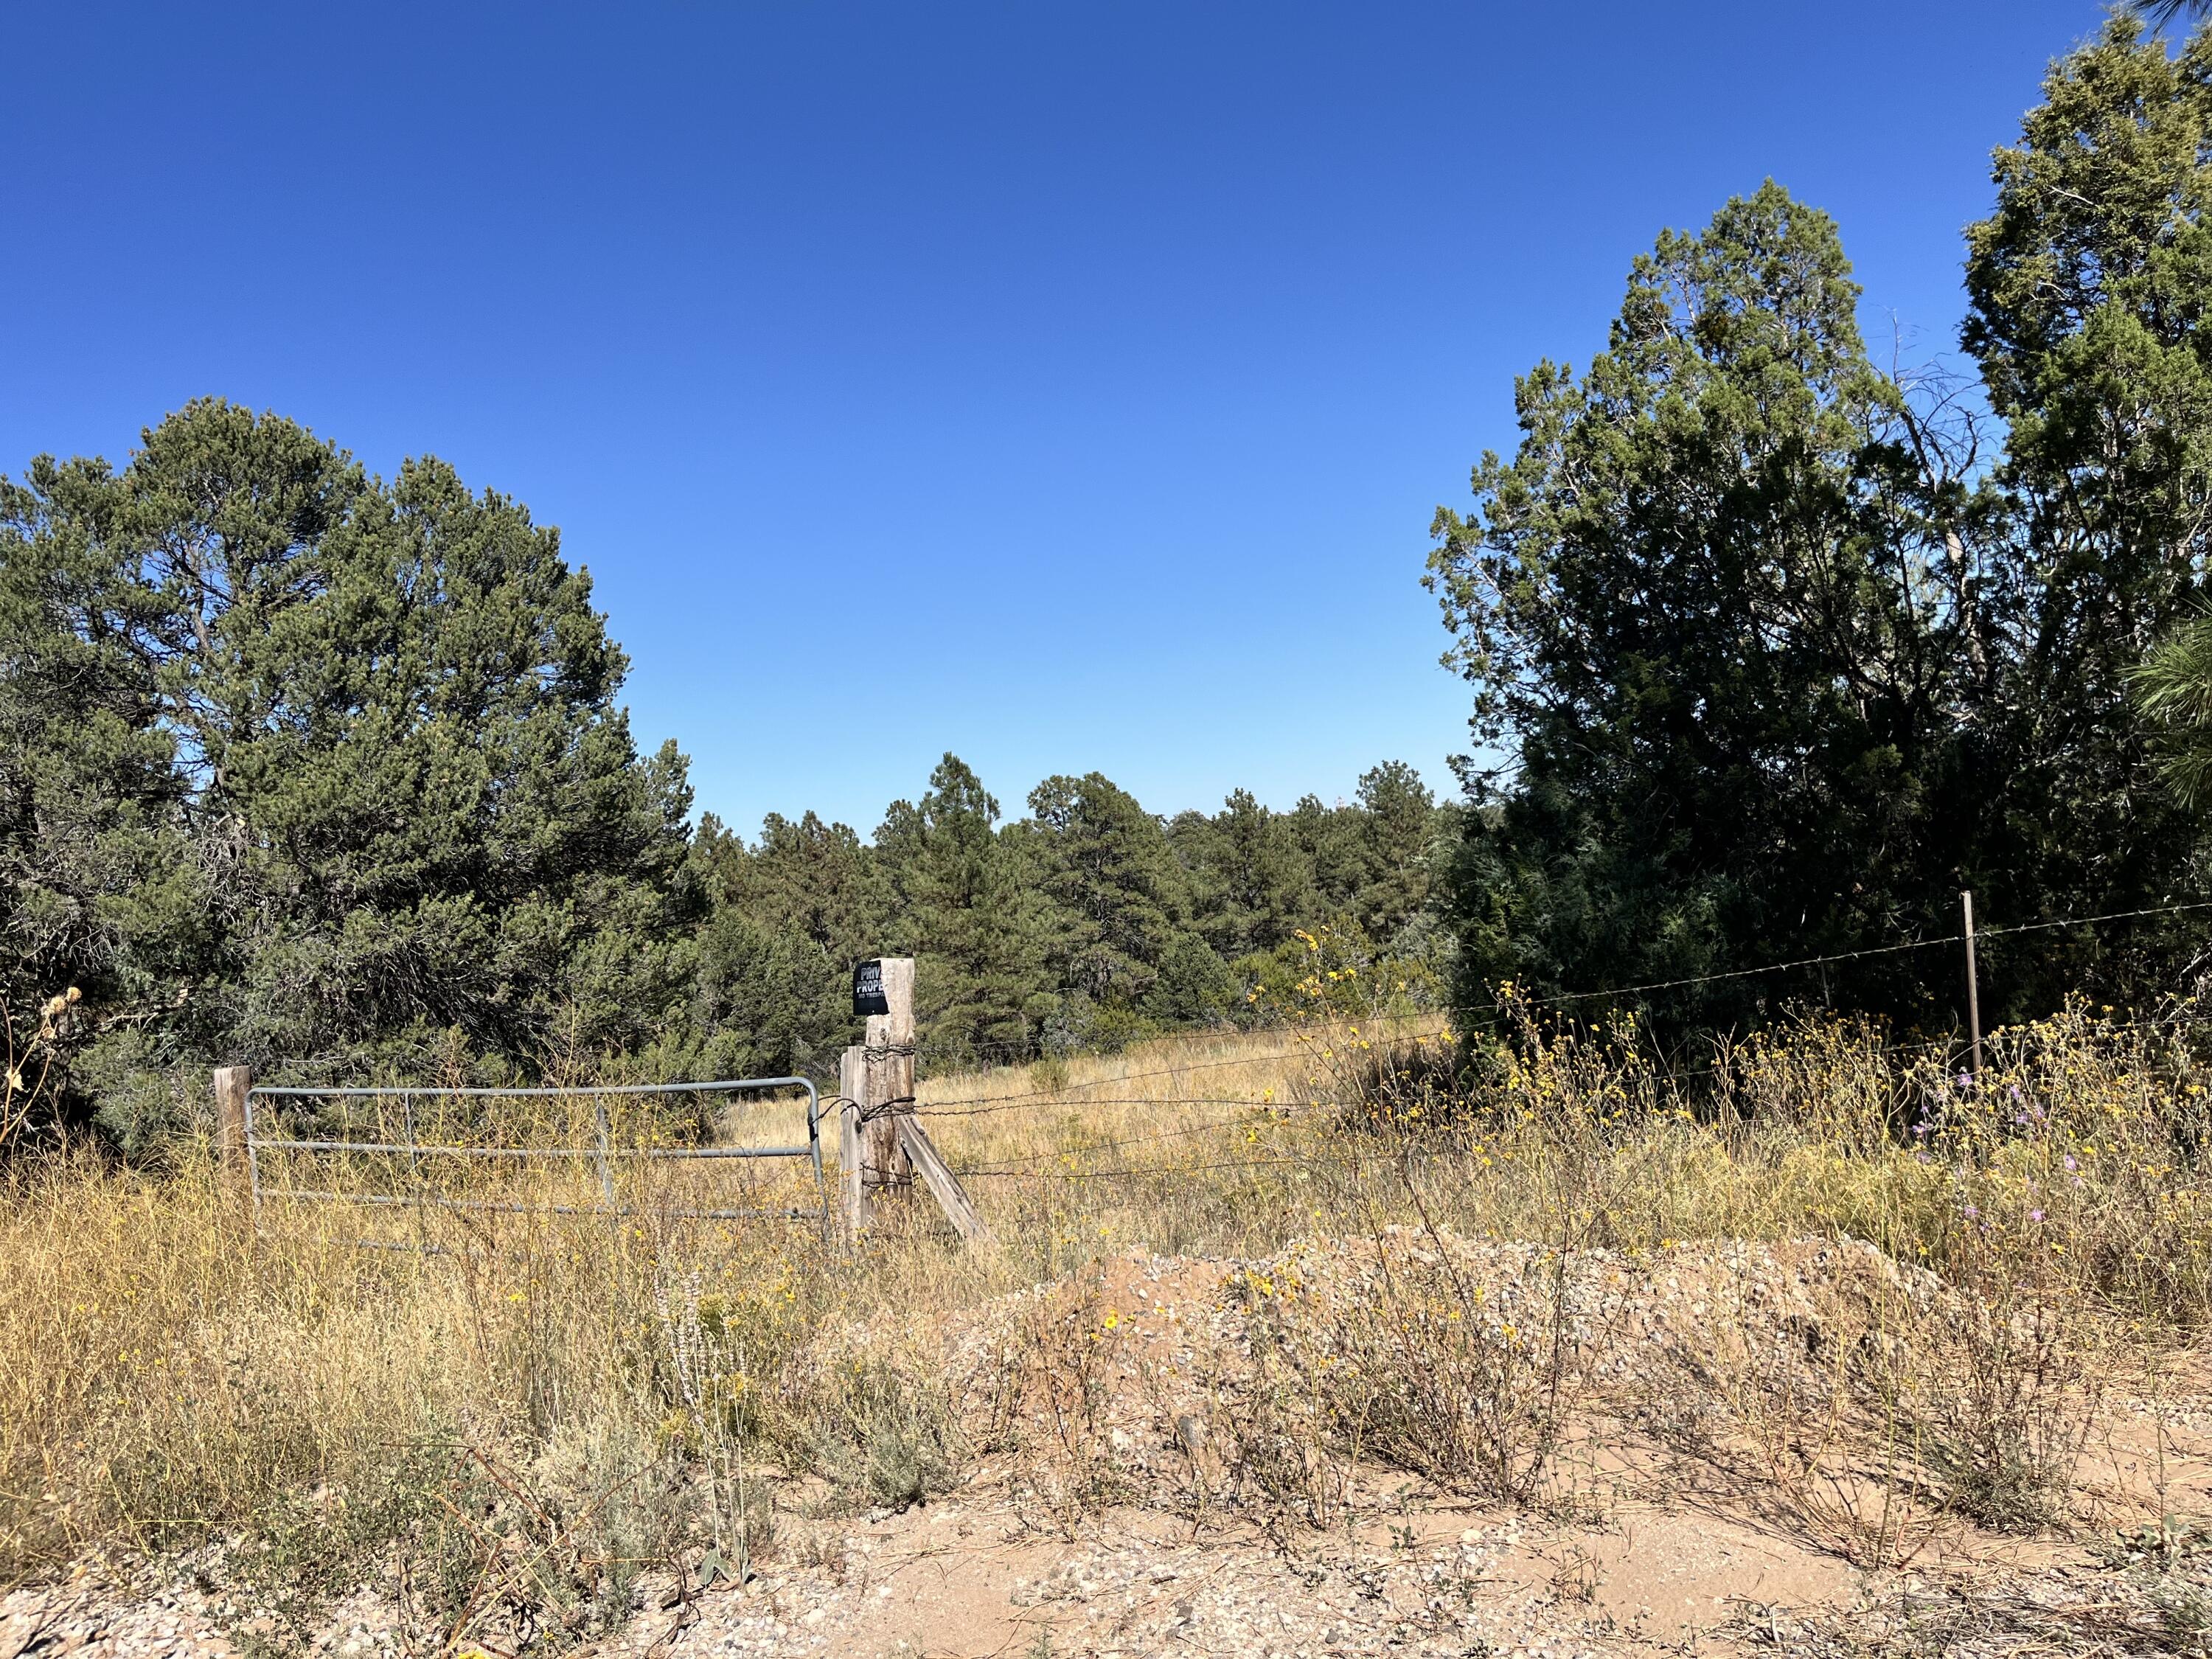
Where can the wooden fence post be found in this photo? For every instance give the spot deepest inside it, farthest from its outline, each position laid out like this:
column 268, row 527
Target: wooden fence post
column 852, row 1088
column 883, row 1143
column 231, row 1083
column 950, row 1194
column 889, row 1093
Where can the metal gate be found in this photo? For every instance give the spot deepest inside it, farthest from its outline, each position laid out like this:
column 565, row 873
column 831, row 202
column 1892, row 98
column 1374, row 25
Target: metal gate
column 602, row 1153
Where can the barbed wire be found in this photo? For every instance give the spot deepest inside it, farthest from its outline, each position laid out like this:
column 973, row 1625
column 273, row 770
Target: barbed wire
column 1152, row 1169
column 1031, row 1053
column 1321, row 1035
column 1053, row 1166
column 982, row 1104
column 1277, row 1115
column 1255, row 1102
column 1980, row 933
column 2083, row 922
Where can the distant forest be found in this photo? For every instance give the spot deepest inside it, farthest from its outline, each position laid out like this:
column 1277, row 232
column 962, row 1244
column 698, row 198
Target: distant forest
column 1085, row 923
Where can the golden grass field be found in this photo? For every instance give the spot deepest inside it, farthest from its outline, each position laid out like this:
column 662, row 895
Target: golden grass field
column 174, row 1371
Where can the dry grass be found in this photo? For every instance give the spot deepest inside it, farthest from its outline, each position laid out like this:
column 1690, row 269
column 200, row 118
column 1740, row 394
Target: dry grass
column 554, row 1403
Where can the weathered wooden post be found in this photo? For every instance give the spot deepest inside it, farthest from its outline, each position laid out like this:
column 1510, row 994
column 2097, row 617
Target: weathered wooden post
column 890, row 1079
column 852, row 1087
column 883, row 1142
column 233, row 1155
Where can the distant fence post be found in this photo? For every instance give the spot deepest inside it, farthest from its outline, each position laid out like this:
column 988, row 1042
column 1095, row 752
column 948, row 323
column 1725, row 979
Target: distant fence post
column 1974, row 984
column 233, row 1155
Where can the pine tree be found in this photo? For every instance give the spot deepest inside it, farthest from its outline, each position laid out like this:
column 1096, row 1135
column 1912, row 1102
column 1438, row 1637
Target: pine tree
column 102, row 888
column 1258, row 881
column 1397, row 825
column 1330, row 840
column 1118, row 894
column 396, row 750
column 969, row 909
column 800, row 909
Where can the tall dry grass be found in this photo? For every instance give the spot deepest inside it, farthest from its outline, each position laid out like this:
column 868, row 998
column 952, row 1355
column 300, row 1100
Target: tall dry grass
column 520, row 1420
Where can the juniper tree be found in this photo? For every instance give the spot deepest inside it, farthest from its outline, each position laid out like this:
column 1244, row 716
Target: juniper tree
column 2089, row 285
column 1717, row 611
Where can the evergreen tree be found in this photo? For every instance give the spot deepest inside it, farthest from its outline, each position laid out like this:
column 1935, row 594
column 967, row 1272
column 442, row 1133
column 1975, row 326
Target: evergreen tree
column 1257, row 880
column 102, row 886
column 2173, row 688
column 1720, row 611
column 968, row 909
column 817, row 894
column 1194, row 839
column 396, row 753
column 756, row 1006
column 1397, row 824
column 1118, row 895
column 325, row 772
column 1192, row 986
column 817, row 882
column 1328, row 839
column 2088, row 287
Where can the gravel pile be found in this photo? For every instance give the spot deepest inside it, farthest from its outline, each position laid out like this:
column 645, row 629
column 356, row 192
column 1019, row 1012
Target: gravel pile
column 1139, row 1383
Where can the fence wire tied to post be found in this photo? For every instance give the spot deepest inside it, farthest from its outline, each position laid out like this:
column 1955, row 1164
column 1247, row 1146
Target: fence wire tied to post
column 603, row 1153
column 896, row 1105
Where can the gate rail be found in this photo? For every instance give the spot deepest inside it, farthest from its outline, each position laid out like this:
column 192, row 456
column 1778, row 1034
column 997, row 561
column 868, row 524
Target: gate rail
column 603, row 1153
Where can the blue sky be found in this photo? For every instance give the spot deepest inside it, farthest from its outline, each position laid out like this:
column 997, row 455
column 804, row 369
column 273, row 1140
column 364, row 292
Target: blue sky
column 1065, row 383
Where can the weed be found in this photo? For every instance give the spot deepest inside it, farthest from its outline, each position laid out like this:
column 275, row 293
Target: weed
column 878, row 1430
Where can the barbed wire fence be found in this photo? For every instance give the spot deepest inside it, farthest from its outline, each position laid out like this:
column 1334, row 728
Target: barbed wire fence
column 1313, row 1036
column 882, row 1111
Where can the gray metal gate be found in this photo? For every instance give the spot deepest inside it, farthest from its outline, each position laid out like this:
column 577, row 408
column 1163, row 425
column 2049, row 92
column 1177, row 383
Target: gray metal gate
column 603, row 1153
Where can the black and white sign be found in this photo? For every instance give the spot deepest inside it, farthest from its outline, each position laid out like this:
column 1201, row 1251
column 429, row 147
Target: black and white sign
column 868, row 989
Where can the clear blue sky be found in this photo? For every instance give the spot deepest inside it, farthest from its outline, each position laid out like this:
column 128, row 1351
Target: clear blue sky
column 1067, row 384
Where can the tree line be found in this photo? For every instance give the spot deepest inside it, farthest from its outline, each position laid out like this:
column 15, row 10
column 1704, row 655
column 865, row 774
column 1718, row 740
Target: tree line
column 328, row 774
column 1083, row 924
column 1776, row 646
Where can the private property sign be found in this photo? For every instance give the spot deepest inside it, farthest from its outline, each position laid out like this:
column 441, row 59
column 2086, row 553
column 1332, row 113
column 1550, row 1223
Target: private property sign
column 868, row 988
